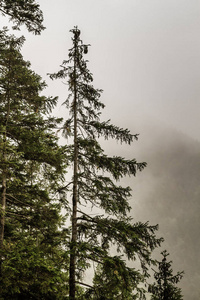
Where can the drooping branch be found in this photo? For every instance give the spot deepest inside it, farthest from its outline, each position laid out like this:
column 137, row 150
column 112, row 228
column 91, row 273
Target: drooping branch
column 24, row 12
column 85, row 284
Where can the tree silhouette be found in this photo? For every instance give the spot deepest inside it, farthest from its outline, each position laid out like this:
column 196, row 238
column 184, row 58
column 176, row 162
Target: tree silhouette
column 94, row 184
column 165, row 286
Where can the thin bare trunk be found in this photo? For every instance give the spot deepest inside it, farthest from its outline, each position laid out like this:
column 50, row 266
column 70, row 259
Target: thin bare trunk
column 3, row 209
column 4, row 173
column 72, row 275
column 3, row 199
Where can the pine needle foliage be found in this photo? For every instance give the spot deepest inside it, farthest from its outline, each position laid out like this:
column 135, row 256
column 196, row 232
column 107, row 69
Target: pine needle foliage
column 165, row 285
column 31, row 171
column 25, row 12
column 95, row 184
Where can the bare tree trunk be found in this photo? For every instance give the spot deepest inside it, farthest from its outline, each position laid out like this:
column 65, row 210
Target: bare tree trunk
column 4, row 174
column 3, row 208
column 72, row 275
column 3, row 200
column 2, row 216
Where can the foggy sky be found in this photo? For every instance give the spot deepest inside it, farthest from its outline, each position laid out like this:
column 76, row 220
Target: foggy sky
column 145, row 56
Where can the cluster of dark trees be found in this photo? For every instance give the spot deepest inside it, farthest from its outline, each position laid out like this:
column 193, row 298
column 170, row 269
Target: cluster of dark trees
column 41, row 257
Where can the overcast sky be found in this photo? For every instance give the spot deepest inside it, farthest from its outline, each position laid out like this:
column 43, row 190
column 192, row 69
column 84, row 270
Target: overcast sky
column 145, row 55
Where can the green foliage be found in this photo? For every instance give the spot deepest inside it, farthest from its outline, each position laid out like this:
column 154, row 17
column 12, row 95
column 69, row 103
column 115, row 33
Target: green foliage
column 165, row 286
column 32, row 269
column 31, row 172
column 23, row 12
column 114, row 280
column 94, row 185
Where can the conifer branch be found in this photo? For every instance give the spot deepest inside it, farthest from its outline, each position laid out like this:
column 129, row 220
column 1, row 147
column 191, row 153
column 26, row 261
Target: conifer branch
column 85, row 284
column 95, row 179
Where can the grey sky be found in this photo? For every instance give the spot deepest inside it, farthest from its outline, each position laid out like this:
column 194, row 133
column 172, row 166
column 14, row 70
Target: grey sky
column 145, row 55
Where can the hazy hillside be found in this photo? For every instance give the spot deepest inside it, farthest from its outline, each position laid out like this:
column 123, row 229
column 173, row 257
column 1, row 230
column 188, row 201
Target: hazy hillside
column 168, row 192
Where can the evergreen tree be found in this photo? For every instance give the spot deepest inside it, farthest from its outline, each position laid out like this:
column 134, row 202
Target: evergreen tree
column 23, row 12
column 93, row 185
column 109, row 284
column 31, row 171
column 165, row 286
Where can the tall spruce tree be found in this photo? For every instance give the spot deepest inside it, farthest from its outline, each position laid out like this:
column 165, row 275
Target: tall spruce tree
column 93, row 185
column 25, row 12
column 31, row 171
column 165, row 287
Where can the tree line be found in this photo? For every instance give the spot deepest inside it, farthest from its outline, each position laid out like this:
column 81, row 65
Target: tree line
column 41, row 257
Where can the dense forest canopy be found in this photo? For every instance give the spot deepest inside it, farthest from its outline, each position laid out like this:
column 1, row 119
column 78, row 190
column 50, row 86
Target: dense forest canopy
column 32, row 166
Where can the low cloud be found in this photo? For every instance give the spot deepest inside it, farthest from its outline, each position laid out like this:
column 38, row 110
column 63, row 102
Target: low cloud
column 167, row 192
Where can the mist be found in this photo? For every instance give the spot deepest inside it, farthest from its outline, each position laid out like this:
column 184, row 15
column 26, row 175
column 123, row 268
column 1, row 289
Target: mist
column 144, row 54
column 167, row 193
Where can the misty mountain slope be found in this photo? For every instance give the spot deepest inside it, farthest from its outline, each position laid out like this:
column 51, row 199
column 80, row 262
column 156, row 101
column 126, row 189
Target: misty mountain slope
column 167, row 192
